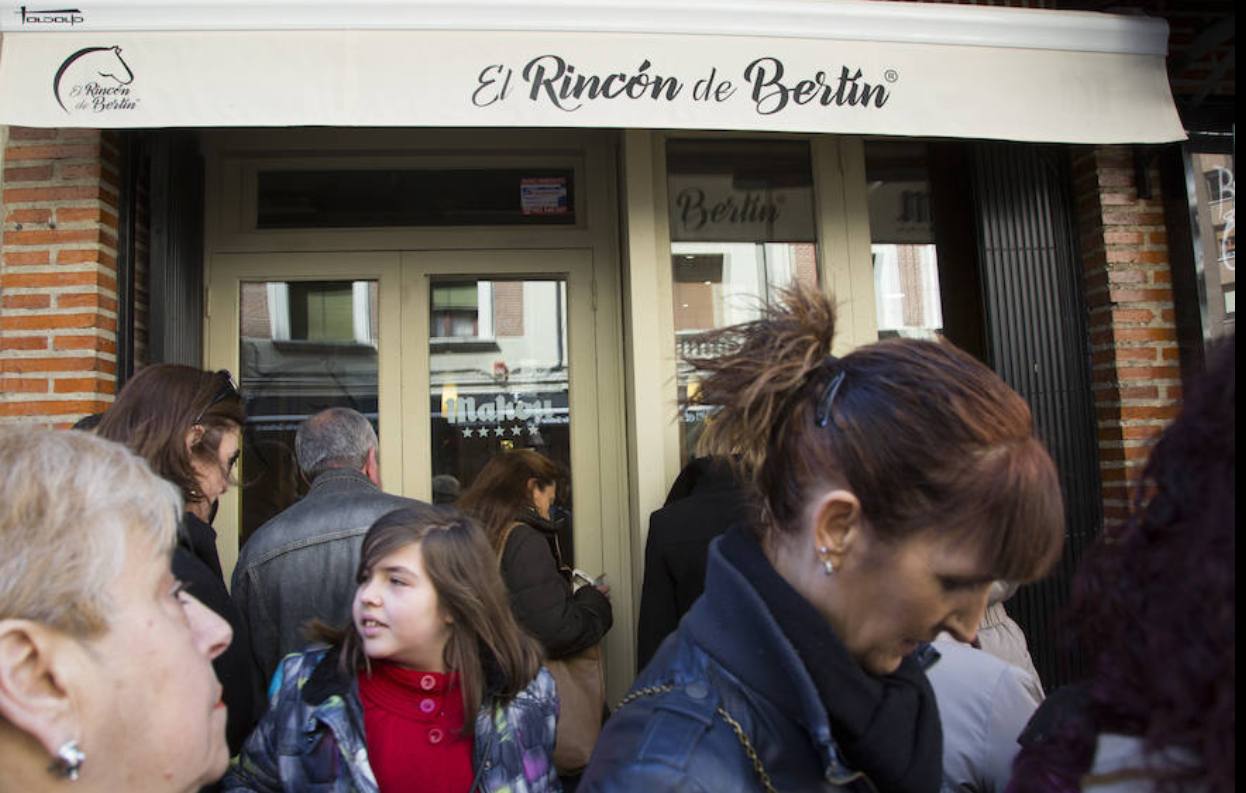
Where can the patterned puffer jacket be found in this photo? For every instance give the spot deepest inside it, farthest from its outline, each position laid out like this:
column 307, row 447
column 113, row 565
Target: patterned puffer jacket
column 312, row 737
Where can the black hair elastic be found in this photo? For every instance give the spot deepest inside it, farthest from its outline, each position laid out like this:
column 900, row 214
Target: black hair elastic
column 823, row 414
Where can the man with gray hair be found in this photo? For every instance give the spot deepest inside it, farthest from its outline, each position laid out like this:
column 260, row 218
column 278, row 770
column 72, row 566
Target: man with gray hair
column 300, row 565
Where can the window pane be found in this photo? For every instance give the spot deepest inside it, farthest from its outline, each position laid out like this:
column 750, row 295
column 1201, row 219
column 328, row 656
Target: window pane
column 507, row 389
column 740, row 191
column 742, row 228
column 445, row 197
column 305, row 346
column 906, row 267
column 1215, row 210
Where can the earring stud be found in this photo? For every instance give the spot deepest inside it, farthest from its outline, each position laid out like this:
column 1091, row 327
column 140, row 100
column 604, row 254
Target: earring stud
column 828, row 566
column 69, row 760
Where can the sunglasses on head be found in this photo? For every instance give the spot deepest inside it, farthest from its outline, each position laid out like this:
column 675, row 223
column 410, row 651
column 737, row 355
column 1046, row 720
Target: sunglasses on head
column 228, row 389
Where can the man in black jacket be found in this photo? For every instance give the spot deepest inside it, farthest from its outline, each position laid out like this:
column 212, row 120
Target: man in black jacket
column 704, row 501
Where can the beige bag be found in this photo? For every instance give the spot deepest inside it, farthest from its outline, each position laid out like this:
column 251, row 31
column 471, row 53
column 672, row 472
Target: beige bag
column 581, row 699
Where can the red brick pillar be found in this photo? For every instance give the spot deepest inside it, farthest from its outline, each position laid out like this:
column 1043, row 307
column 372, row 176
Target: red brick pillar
column 1135, row 372
column 58, row 275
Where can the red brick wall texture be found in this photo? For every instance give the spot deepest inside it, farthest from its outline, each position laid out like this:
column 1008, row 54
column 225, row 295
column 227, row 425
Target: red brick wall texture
column 1135, row 372
column 58, row 275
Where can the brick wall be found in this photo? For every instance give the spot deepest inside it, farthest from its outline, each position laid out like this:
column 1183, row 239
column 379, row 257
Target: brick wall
column 58, row 298
column 1135, row 371
column 508, row 308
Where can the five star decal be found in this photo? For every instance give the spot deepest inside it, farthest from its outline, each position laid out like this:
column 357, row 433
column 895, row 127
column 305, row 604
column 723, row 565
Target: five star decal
column 513, row 430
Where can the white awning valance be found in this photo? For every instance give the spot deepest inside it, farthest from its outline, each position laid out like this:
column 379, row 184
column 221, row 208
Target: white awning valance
column 855, row 67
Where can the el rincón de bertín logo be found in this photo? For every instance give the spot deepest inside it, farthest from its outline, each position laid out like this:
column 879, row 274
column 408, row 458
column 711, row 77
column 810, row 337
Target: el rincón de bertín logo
column 95, row 80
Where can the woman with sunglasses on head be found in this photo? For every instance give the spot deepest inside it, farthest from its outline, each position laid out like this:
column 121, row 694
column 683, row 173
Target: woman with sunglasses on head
column 895, row 484
column 187, row 424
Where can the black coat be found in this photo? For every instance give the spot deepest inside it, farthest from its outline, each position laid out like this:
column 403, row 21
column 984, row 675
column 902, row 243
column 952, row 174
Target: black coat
column 541, row 596
column 703, row 502
column 196, row 563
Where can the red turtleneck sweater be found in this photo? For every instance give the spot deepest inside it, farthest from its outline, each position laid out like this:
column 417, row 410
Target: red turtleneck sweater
column 412, row 724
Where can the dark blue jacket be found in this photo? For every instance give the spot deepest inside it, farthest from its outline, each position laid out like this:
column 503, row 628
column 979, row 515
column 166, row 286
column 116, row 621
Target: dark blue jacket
column 728, row 661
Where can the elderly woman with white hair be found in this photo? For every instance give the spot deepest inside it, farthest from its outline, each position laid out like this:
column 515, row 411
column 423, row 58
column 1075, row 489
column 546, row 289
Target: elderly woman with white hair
column 105, row 664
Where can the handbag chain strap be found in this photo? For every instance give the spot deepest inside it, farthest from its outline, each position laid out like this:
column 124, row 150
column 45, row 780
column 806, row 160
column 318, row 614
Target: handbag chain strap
column 735, row 726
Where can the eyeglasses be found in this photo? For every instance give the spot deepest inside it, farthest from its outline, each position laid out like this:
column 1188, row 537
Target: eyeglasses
column 228, row 389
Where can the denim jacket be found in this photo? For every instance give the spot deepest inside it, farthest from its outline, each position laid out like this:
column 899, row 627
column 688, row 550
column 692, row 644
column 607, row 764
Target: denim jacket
column 301, row 564
column 728, row 671
column 312, row 737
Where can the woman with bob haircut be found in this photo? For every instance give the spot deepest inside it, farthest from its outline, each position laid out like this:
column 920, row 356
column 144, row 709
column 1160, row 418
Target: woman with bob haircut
column 433, row 687
column 895, row 483
column 106, row 679
column 1154, row 603
column 187, row 424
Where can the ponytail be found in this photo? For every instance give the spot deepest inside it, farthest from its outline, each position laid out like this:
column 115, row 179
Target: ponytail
column 924, row 436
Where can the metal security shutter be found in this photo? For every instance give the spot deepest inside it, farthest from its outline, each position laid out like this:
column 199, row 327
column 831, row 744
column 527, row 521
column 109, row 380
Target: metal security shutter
column 176, row 249
column 1036, row 340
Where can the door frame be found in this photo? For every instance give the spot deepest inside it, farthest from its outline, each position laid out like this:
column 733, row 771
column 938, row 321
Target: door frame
column 404, row 378
column 222, row 336
column 231, row 154
column 419, row 269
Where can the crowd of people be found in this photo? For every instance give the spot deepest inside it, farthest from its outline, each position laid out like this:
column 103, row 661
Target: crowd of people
column 823, row 603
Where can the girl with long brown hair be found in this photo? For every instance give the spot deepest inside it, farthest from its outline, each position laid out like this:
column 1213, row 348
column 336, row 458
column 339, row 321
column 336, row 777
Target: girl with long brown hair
column 433, row 687
column 896, row 484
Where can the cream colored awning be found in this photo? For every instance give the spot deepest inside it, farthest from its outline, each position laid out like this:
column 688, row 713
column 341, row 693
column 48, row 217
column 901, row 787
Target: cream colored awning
column 860, row 67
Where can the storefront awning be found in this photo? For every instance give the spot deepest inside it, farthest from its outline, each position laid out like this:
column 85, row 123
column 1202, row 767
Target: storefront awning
column 853, row 67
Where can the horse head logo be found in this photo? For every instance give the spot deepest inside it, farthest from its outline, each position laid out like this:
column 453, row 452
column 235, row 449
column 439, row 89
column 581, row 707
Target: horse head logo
column 105, row 62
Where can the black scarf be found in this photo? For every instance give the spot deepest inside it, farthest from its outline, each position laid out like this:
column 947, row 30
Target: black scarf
column 886, row 727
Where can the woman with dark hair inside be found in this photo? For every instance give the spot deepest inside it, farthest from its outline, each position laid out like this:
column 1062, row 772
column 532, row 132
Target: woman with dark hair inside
column 432, row 688
column 896, row 483
column 187, row 424
column 1155, row 604
column 511, row 497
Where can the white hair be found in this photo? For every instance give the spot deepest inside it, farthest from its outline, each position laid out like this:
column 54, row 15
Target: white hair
column 69, row 504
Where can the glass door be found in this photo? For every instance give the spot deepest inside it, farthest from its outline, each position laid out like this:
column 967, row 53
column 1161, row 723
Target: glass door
column 502, row 358
column 301, row 334
column 303, row 346
column 455, row 356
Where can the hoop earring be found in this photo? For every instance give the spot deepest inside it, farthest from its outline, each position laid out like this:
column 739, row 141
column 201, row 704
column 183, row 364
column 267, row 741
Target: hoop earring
column 69, row 760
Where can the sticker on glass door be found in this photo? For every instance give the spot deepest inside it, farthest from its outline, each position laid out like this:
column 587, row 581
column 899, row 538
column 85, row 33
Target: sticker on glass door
column 499, row 379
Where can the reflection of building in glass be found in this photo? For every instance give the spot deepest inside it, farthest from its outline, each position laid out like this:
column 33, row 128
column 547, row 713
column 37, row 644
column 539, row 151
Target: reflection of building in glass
column 498, row 370
column 742, row 223
column 906, row 288
column 1215, row 211
column 305, row 346
column 906, row 268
